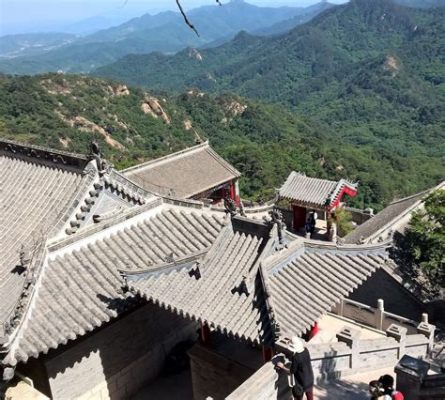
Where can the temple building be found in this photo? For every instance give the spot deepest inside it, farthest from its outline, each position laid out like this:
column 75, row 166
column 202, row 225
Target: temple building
column 194, row 173
column 306, row 194
column 102, row 276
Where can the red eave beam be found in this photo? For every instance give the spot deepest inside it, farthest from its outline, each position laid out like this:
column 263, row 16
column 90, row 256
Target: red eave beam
column 350, row 191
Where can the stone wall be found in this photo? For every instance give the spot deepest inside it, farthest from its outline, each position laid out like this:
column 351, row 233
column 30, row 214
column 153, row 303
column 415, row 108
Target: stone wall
column 398, row 300
column 216, row 375
column 119, row 359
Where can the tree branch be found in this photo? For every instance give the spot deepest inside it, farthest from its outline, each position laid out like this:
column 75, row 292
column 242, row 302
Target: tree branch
column 186, row 20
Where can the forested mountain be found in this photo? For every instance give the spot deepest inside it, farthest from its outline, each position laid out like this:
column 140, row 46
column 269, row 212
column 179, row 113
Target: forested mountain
column 164, row 32
column 263, row 141
column 371, row 70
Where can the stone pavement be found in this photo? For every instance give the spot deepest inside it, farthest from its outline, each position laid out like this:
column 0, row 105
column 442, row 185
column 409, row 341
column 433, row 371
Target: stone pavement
column 171, row 387
column 329, row 325
column 354, row 387
column 178, row 387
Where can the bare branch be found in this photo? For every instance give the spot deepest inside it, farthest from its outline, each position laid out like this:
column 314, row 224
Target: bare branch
column 186, row 20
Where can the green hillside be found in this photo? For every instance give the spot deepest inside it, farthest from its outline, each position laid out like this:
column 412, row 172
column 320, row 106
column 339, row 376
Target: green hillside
column 263, row 141
column 371, row 71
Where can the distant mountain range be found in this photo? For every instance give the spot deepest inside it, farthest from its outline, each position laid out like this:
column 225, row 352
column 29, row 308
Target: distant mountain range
column 371, row 70
column 164, row 32
column 422, row 3
column 332, row 47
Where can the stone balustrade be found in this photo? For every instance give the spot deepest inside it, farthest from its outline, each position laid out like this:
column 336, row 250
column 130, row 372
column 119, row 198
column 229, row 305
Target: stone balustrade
column 349, row 356
column 376, row 317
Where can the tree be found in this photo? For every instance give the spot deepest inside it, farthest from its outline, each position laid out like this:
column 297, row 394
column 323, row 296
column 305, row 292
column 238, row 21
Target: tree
column 420, row 252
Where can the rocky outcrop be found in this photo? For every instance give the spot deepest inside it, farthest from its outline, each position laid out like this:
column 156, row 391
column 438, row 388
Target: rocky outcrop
column 193, row 53
column 152, row 106
column 65, row 142
column 85, row 125
column 391, row 65
column 119, row 90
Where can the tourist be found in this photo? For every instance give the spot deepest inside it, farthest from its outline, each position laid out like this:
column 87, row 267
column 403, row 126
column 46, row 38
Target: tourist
column 384, row 387
column 301, row 370
column 375, row 389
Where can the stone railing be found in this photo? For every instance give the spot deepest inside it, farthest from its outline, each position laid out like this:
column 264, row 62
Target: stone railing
column 350, row 355
column 377, row 317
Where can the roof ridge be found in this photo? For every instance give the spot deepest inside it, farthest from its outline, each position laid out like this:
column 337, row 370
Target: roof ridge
column 43, row 154
column 136, row 190
column 301, row 246
column 165, row 267
column 90, row 230
column 17, row 318
column 167, row 157
column 121, row 217
column 312, row 177
column 439, row 186
column 423, row 192
column 222, row 161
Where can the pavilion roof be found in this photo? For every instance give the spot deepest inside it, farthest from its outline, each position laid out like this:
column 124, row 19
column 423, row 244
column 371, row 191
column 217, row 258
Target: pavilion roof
column 248, row 285
column 314, row 192
column 310, row 278
column 80, row 288
column 37, row 191
column 184, row 174
column 44, row 195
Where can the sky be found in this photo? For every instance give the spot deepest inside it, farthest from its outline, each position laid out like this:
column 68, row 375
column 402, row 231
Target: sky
column 20, row 16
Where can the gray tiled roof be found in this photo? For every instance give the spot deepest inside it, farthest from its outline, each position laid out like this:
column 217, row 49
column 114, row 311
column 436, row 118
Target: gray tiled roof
column 384, row 218
column 245, row 289
column 218, row 296
column 37, row 191
column 47, row 194
column 183, row 174
column 312, row 278
column 80, row 287
column 311, row 192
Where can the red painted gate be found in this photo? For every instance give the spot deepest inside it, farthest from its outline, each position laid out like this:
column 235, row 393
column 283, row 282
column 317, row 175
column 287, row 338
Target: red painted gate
column 299, row 214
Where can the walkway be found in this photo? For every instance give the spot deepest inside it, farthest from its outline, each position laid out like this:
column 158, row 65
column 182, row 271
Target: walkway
column 172, row 387
column 354, row 387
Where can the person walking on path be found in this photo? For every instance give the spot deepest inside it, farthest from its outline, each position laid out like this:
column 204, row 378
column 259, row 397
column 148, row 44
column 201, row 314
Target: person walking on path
column 301, row 370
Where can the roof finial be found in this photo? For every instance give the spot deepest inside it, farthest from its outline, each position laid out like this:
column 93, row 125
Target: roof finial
column 94, row 147
column 196, row 271
column 25, row 256
column 277, row 218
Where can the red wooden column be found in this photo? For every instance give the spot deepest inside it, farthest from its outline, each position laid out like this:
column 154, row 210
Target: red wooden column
column 299, row 214
column 234, row 192
column 205, row 335
column 267, row 353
